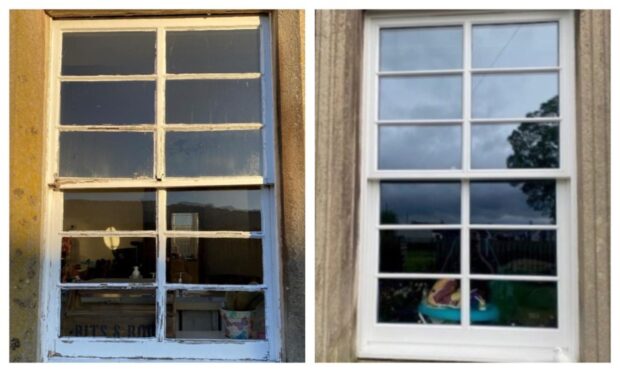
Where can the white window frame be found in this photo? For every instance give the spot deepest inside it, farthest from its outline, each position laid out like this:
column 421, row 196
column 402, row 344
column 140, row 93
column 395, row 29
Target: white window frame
column 55, row 348
column 467, row 342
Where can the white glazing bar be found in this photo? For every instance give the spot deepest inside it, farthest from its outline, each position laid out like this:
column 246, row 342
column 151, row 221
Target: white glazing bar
column 417, row 276
column 467, row 102
column 465, row 248
column 515, row 278
column 160, row 324
column 108, row 78
column 514, row 70
column 420, row 72
column 108, row 128
column 214, row 76
column 214, row 234
column 98, row 234
column 418, row 227
column 108, row 285
column 212, row 127
column 545, row 119
column 512, row 227
column 213, row 287
column 419, row 121
column 161, row 104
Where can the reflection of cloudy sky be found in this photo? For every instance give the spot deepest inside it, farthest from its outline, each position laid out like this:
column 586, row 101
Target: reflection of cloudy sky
column 233, row 153
column 502, row 203
column 426, row 97
column 490, row 148
column 111, row 196
column 422, row 202
column 511, row 95
column 420, row 147
column 421, row 48
column 100, row 154
column 520, row 45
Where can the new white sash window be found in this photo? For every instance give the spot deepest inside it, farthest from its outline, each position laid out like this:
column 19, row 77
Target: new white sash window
column 161, row 225
column 468, row 229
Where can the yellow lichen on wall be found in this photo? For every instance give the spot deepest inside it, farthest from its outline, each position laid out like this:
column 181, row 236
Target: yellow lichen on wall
column 27, row 122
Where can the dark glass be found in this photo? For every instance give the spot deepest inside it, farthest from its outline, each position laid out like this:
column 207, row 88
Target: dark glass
column 420, row 202
column 108, row 53
column 516, row 303
column 107, row 102
column 420, row 97
column 420, row 251
column 214, row 261
column 106, row 154
column 421, row 48
column 101, row 209
column 513, row 202
column 513, row 145
column 515, row 45
column 225, row 209
column 107, row 313
column 215, row 315
column 515, row 95
column 426, row 301
column 225, row 153
column 513, row 252
column 214, row 51
column 420, row 147
column 108, row 260
column 213, row 101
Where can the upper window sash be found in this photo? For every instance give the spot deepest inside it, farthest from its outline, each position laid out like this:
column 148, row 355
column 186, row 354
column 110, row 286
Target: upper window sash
column 159, row 128
column 375, row 73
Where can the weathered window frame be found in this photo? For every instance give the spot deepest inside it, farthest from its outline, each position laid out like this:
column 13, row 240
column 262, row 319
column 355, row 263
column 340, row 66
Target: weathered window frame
column 55, row 348
column 467, row 343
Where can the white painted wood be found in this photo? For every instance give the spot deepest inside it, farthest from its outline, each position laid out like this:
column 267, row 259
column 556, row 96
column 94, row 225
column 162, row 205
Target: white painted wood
column 513, row 70
column 55, row 348
column 500, row 174
column 467, row 342
column 167, row 182
column 420, row 72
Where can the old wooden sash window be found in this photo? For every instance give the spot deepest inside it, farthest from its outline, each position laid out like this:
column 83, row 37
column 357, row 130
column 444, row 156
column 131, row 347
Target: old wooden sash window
column 161, row 230
column 468, row 238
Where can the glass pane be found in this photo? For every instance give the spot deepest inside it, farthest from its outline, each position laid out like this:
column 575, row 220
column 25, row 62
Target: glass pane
column 420, row 251
column 105, row 209
column 515, row 303
column 233, row 153
column 427, row 301
column 513, row 252
column 213, row 101
column 513, row 202
column 214, row 261
column 212, row 51
column 107, row 313
column 107, row 102
column 420, row 202
column 215, row 315
column 515, row 95
column 515, row 45
column 108, row 53
column 103, row 154
column 421, row 48
column 110, row 260
column 227, row 209
column 420, row 147
column 514, row 145
column 425, row 97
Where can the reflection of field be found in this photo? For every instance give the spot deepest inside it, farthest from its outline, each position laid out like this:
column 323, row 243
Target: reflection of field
column 419, row 259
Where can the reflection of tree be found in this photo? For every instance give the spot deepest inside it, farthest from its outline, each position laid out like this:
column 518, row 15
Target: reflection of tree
column 536, row 145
